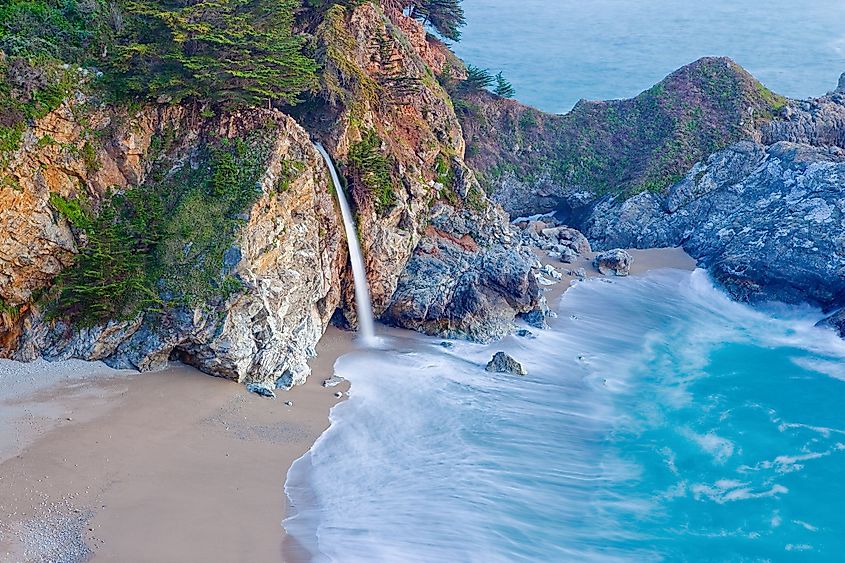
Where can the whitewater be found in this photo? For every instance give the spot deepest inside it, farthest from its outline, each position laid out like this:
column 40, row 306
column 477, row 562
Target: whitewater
column 659, row 421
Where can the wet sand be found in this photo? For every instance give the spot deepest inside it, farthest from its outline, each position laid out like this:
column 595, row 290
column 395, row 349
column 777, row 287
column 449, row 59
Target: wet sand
column 173, row 466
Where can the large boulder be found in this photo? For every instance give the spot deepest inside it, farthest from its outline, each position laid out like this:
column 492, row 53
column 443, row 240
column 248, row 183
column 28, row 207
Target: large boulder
column 836, row 322
column 616, row 261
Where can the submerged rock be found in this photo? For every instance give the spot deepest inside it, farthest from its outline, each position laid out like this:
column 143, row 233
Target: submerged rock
column 615, row 261
column 503, row 363
column 261, row 390
column 333, row 381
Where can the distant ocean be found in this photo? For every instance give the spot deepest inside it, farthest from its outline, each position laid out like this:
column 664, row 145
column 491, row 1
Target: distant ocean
column 556, row 52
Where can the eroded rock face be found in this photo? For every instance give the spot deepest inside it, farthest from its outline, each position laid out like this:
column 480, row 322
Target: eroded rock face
column 502, row 363
column 289, row 256
column 440, row 258
column 766, row 221
column 835, row 322
column 464, row 279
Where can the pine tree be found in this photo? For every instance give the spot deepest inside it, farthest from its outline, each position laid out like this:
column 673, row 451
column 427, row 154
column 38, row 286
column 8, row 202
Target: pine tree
column 446, row 16
column 504, row 88
column 224, row 51
column 477, row 79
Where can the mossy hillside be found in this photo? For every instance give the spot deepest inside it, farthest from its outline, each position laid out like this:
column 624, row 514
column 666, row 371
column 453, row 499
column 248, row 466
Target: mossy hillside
column 162, row 244
column 628, row 146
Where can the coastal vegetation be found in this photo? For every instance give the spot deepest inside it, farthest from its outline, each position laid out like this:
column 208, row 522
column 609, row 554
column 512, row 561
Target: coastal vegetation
column 161, row 243
column 619, row 147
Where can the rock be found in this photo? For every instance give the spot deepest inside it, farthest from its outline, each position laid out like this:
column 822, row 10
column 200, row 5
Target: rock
column 289, row 403
column 567, row 255
column 615, row 261
column 503, row 363
column 333, row 381
column 841, row 87
column 472, row 286
column 524, row 333
column 552, row 272
column 835, row 321
column 261, row 390
column 338, row 395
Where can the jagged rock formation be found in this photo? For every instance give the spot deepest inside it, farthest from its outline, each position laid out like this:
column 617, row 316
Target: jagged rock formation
column 764, row 214
column 502, row 363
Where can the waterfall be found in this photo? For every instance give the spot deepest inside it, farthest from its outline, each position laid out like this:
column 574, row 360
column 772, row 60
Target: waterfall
column 362, row 292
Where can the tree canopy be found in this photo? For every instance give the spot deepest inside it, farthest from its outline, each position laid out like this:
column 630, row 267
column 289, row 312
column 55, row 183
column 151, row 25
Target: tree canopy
column 238, row 51
column 503, row 88
column 446, row 16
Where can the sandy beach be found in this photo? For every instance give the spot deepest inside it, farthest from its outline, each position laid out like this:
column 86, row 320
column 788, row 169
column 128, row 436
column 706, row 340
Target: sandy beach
column 172, row 466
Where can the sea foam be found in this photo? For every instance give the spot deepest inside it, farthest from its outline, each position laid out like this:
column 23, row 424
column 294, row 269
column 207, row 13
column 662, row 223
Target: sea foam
column 659, row 420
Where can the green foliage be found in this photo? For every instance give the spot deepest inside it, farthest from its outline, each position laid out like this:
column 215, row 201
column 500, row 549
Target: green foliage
column 161, row 243
column 29, row 90
column 477, row 79
column 444, row 171
column 58, row 29
column 223, row 51
column 109, row 278
column 372, row 168
column 341, row 79
column 503, row 88
column 446, row 16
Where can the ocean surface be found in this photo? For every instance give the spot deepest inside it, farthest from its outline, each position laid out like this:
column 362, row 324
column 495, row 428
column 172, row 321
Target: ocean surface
column 659, row 421
column 556, row 52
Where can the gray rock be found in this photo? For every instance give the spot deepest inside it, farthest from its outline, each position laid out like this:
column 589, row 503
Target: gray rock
column 261, row 390
column 841, row 86
column 333, row 381
column 502, row 363
column 465, row 283
column 616, row 261
column 524, row 333
column 836, row 322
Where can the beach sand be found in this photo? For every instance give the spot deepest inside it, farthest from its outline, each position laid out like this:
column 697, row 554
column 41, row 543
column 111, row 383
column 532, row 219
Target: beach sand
column 174, row 466
column 171, row 466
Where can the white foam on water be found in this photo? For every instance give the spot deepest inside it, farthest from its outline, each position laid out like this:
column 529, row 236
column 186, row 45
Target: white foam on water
column 434, row 459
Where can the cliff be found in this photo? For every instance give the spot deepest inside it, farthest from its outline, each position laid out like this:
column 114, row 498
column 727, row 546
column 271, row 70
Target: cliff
column 139, row 233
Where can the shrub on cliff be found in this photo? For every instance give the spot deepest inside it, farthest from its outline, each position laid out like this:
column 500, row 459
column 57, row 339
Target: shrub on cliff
column 163, row 242
column 223, row 51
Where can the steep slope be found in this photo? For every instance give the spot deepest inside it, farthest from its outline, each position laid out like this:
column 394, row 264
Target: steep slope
column 535, row 162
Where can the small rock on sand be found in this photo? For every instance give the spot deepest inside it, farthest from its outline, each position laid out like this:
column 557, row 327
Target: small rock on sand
column 502, row 363
column 261, row 390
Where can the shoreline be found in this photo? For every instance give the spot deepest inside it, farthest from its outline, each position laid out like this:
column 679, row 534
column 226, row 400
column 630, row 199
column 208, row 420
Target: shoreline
column 169, row 466
column 174, row 465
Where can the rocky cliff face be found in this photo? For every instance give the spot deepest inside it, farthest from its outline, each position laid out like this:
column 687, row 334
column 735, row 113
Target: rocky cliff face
column 289, row 254
column 764, row 214
column 441, row 258
column 386, row 91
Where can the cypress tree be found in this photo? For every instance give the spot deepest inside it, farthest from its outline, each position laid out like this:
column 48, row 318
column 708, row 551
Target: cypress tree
column 446, row 16
column 224, row 51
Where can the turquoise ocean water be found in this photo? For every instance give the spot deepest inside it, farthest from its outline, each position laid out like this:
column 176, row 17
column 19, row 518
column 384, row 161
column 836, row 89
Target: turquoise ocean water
column 659, row 421
column 556, row 52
